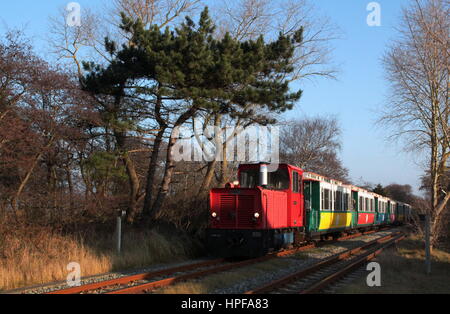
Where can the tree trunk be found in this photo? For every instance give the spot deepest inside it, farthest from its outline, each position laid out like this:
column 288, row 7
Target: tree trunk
column 24, row 182
column 224, row 167
column 146, row 211
column 208, row 177
column 167, row 179
column 28, row 175
column 70, row 185
column 170, row 164
column 133, row 178
column 211, row 164
column 151, row 174
column 134, row 189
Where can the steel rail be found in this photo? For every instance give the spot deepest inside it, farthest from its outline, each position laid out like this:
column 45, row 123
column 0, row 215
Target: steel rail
column 128, row 279
column 145, row 288
column 328, row 261
column 352, row 266
column 171, row 280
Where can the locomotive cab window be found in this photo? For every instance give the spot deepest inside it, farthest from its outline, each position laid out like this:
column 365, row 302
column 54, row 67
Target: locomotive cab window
column 249, row 178
column 277, row 180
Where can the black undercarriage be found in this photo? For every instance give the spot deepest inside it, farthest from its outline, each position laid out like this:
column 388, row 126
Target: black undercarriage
column 253, row 242
column 250, row 243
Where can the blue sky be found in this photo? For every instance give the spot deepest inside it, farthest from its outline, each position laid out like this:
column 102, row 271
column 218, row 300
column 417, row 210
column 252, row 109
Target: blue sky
column 354, row 98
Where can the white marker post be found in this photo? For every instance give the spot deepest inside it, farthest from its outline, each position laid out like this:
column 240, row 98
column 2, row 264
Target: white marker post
column 121, row 213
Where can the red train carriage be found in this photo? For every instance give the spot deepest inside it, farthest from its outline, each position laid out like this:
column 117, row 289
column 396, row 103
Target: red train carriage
column 264, row 212
column 365, row 207
column 392, row 211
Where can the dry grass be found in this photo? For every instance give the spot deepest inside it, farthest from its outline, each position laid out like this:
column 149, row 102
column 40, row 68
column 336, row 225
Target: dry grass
column 40, row 256
column 403, row 271
column 210, row 283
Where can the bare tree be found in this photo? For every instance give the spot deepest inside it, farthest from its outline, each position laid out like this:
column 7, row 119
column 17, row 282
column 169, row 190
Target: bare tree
column 248, row 19
column 417, row 67
column 152, row 12
column 87, row 40
column 313, row 144
column 73, row 43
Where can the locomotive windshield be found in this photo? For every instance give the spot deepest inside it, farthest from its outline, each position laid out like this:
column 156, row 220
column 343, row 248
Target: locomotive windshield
column 278, row 180
column 249, row 178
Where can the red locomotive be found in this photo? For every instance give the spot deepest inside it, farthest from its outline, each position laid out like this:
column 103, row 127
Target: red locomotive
column 266, row 211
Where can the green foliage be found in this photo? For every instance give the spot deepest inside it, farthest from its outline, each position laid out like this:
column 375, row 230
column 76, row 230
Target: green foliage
column 188, row 64
column 101, row 166
column 379, row 189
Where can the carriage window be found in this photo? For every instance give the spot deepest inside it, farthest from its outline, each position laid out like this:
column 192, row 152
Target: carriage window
column 326, row 201
column 295, row 182
column 279, row 180
column 334, row 200
column 338, row 200
column 322, row 199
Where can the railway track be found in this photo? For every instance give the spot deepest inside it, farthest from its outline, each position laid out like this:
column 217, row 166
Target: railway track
column 146, row 282
column 322, row 274
column 150, row 281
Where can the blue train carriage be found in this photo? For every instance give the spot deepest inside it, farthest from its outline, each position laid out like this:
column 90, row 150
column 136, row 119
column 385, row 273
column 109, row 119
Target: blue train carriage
column 382, row 210
column 400, row 215
column 404, row 213
column 328, row 205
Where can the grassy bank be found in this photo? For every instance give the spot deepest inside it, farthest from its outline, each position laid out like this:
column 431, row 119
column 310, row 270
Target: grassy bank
column 41, row 256
column 403, row 271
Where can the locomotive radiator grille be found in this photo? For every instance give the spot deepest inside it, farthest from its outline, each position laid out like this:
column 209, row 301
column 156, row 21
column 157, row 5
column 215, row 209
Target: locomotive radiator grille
column 236, row 211
column 245, row 211
column 227, row 211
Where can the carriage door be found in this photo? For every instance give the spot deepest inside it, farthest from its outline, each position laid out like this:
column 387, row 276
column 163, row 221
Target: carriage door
column 296, row 219
column 355, row 208
column 307, row 203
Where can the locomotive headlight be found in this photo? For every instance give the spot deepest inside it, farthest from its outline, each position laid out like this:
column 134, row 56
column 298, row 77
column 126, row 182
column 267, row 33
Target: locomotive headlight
column 256, row 215
column 214, row 215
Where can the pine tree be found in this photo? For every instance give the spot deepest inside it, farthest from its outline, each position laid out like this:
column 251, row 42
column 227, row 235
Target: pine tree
column 187, row 70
